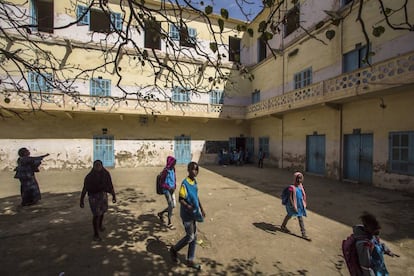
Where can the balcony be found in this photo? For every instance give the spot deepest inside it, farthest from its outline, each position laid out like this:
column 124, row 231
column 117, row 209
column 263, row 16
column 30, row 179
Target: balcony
column 92, row 104
column 366, row 82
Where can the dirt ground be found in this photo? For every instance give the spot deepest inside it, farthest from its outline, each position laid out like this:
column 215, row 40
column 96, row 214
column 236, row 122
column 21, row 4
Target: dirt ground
column 239, row 237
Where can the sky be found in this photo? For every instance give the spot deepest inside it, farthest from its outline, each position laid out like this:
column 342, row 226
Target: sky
column 252, row 7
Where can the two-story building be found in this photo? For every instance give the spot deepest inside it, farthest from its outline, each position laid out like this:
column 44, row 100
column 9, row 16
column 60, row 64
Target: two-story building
column 319, row 96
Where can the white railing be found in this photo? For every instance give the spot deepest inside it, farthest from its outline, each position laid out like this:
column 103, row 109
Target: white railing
column 384, row 75
column 86, row 103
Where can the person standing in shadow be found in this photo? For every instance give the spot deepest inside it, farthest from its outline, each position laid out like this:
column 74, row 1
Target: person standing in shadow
column 26, row 168
column 97, row 184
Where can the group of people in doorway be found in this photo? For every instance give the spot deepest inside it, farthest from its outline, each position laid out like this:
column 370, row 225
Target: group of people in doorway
column 98, row 184
column 239, row 157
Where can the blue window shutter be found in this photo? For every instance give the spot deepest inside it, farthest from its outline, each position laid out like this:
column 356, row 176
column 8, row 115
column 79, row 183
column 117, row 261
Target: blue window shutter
column 40, row 83
column 192, row 35
column 33, row 14
column 351, row 61
column 216, row 97
column 307, row 77
column 93, row 87
column 411, row 153
column 180, row 94
column 47, row 79
column 82, row 10
column 116, row 20
column 401, row 152
column 33, row 85
column 100, row 87
column 174, row 33
column 298, row 80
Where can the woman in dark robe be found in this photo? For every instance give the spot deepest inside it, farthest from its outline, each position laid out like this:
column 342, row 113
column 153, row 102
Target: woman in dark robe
column 25, row 171
column 97, row 184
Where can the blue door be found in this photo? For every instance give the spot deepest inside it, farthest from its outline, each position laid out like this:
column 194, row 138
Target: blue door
column 250, row 148
column 358, row 150
column 315, row 154
column 103, row 149
column 182, row 150
column 232, row 144
column 365, row 164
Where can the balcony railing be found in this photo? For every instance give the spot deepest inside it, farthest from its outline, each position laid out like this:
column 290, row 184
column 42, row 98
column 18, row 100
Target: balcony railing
column 388, row 74
column 85, row 103
column 395, row 72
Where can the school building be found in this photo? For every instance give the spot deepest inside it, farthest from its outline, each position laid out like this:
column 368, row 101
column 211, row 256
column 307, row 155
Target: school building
column 311, row 98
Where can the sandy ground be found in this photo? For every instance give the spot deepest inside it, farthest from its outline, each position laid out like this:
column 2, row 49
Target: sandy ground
column 239, row 237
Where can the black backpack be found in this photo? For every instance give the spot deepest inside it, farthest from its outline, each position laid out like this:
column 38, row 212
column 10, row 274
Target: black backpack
column 285, row 195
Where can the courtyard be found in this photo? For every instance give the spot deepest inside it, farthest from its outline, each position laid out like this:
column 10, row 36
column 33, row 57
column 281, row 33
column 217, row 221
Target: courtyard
column 240, row 235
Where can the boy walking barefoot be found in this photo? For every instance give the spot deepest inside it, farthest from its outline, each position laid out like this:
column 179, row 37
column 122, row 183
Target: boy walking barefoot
column 191, row 212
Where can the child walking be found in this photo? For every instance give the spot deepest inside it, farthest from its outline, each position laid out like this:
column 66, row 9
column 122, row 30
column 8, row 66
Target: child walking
column 97, row 184
column 191, row 212
column 296, row 206
column 370, row 249
column 168, row 180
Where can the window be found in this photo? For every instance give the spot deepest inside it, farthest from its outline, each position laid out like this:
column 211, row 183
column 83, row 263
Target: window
column 186, row 36
column 292, row 20
column 401, row 155
column 264, row 145
column 216, row 97
column 256, row 96
column 41, row 15
column 261, row 50
column 174, row 33
column 180, row 94
column 97, row 20
column 40, row 82
column 152, row 34
column 234, row 49
column 303, row 78
column 100, row 87
column 82, row 15
column 355, row 59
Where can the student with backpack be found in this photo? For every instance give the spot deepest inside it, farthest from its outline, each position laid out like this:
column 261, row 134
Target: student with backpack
column 295, row 204
column 363, row 251
column 167, row 181
column 191, row 212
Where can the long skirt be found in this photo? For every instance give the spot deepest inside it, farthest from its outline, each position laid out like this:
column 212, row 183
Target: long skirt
column 98, row 203
column 29, row 191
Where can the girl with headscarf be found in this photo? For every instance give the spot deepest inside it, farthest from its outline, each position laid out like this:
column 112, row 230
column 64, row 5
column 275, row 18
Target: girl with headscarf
column 97, row 184
column 25, row 171
column 296, row 206
column 168, row 180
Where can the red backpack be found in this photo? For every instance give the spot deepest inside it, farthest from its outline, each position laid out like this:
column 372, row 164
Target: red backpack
column 350, row 253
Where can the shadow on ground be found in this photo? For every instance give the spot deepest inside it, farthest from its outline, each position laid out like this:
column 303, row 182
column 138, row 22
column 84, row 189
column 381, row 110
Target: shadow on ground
column 55, row 236
column 340, row 201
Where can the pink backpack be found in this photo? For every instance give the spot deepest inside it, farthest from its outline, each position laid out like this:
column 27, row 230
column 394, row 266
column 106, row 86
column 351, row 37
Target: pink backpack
column 350, row 253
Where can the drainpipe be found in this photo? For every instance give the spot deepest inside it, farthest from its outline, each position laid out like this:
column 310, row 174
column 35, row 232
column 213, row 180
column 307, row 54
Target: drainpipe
column 283, row 119
column 341, row 169
column 340, row 144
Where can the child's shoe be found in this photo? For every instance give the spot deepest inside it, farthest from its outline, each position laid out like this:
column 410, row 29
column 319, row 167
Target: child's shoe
column 194, row 265
column 284, row 229
column 173, row 254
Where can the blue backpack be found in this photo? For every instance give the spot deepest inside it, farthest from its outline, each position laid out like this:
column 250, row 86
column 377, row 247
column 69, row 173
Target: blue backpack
column 285, row 195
